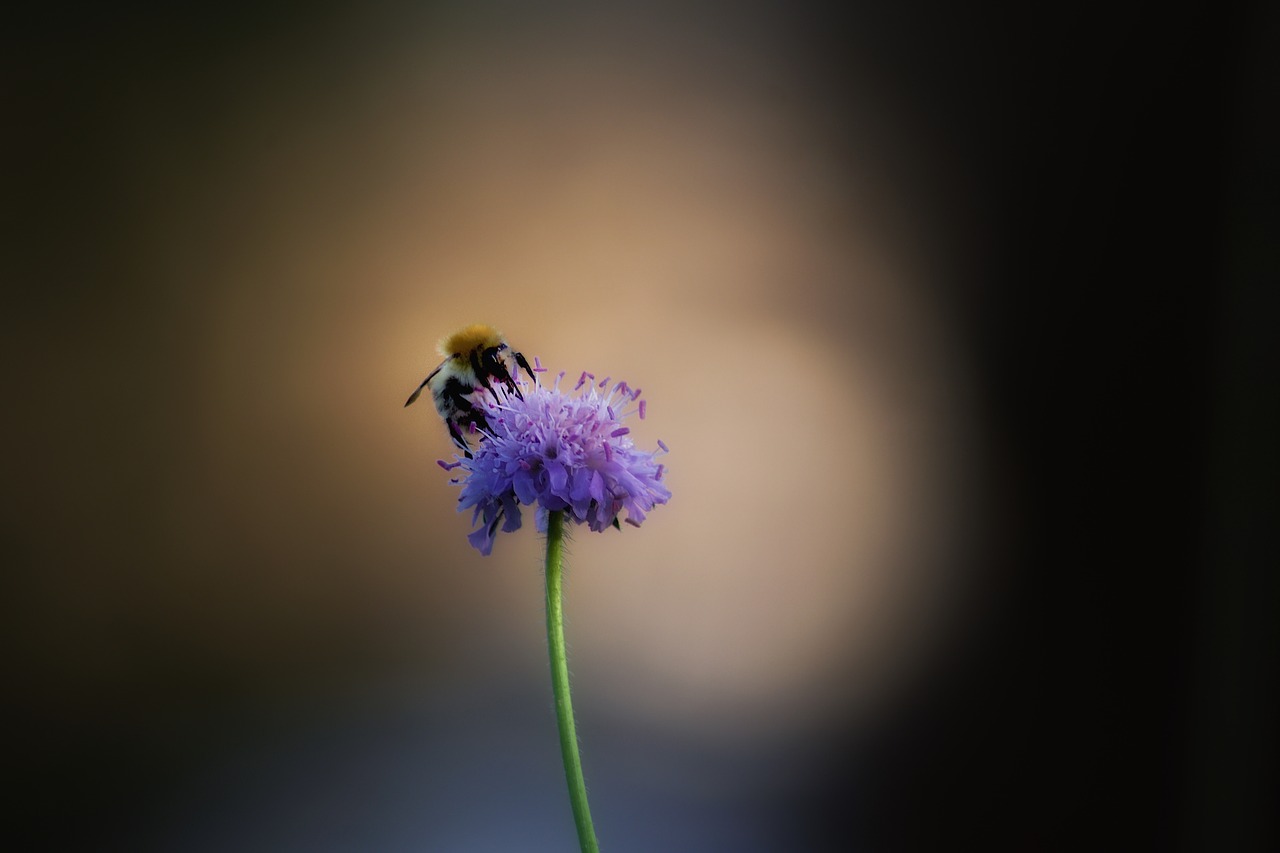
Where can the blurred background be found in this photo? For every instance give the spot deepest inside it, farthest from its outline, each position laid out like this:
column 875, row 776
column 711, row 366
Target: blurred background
column 955, row 324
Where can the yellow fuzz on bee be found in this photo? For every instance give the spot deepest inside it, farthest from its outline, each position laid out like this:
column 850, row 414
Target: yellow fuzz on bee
column 473, row 337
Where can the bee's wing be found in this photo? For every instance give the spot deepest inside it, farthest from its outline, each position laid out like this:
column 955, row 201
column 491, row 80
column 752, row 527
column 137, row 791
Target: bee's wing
column 417, row 391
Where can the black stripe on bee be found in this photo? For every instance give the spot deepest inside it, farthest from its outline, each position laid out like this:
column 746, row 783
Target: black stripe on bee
column 455, row 394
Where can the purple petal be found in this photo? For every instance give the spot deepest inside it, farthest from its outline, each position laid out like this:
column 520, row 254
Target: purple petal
column 481, row 540
column 511, row 510
column 558, row 477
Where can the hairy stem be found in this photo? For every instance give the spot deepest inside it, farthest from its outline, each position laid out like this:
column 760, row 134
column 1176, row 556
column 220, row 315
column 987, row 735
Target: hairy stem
column 560, row 685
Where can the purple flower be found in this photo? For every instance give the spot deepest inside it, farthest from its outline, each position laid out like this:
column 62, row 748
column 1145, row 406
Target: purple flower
column 559, row 451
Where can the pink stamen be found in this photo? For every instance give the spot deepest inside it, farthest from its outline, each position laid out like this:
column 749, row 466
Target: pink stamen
column 620, row 431
column 612, row 416
column 582, row 380
column 448, row 466
column 604, row 382
column 665, row 449
column 537, row 365
column 658, row 476
column 635, row 394
column 642, row 408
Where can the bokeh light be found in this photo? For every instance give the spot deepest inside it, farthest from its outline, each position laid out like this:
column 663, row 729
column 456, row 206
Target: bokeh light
column 249, row 617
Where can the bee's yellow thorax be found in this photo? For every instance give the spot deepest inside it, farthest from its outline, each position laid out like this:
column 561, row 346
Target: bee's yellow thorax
column 475, row 336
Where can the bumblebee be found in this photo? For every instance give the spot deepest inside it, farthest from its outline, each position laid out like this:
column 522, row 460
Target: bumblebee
column 475, row 359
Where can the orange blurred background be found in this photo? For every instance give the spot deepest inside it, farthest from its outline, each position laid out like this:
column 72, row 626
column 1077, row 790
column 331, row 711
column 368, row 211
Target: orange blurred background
column 247, row 615
column 224, row 506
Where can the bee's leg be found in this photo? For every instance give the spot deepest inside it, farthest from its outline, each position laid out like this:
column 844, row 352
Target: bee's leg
column 458, row 439
column 496, row 366
column 507, row 380
column 461, row 411
column 480, row 373
column 523, row 362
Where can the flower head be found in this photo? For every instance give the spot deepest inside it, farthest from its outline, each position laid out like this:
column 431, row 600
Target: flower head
column 559, row 450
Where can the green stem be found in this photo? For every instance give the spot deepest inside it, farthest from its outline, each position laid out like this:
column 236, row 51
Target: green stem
column 560, row 685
